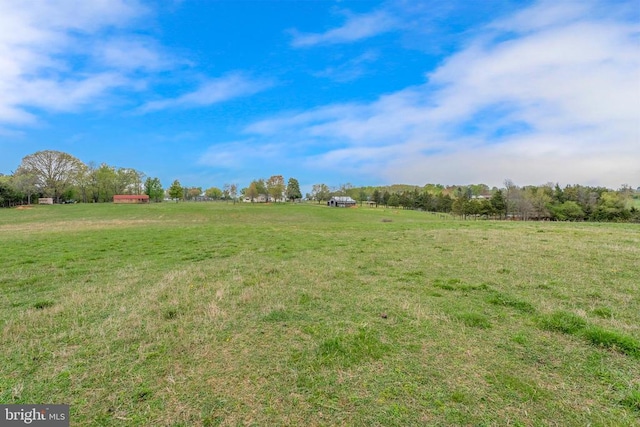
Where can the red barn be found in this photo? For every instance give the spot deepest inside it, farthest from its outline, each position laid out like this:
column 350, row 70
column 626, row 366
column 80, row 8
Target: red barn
column 130, row 198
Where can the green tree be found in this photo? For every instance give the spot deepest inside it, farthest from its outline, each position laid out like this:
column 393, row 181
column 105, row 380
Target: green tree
column 344, row 189
column 459, row 206
column 362, row 196
column 320, row 192
column 54, row 171
column 443, row 203
column 128, row 181
column 84, row 182
column 486, row 208
column 425, row 201
column 385, row 198
column 433, row 189
column 25, row 183
column 275, row 187
column 153, row 189
column 611, row 207
column 105, row 182
column 479, row 189
column 498, row 203
column 252, row 191
column 377, row 197
column 558, row 194
column 213, row 193
column 192, row 193
column 293, row 190
column 405, row 199
column 261, row 188
column 176, row 191
column 473, row 207
column 567, row 211
column 8, row 194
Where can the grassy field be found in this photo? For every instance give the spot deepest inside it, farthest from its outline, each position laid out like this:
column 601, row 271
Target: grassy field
column 221, row 314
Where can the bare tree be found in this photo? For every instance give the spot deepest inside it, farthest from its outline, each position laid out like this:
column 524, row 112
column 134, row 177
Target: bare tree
column 510, row 196
column 233, row 192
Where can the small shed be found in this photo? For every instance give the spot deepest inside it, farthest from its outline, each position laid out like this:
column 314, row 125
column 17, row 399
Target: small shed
column 341, row 202
column 45, row 200
column 130, row 198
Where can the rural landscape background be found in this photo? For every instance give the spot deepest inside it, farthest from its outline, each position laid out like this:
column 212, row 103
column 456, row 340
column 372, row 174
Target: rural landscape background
column 65, row 179
column 169, row 255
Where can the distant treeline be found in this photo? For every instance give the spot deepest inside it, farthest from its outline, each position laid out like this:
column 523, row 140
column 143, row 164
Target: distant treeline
column 545, row 202
column 66, row 179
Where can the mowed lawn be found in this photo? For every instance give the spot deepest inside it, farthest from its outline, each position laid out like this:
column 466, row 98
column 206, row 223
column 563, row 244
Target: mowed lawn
column 219, row 314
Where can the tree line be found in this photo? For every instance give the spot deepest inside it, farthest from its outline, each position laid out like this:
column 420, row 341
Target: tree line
column 65, row 178
column 272, row 190
column 177, row 192
column 544, row 202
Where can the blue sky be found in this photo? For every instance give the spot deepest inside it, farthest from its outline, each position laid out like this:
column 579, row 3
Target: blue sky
column 365, row 92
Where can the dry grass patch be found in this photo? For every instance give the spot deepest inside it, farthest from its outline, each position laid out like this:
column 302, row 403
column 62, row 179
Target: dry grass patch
column 75, row 226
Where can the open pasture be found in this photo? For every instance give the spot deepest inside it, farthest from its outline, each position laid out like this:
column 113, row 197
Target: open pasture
column 220, row 314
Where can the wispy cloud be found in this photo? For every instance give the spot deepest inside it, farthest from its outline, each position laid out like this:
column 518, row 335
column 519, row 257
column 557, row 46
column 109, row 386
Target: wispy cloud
column 350, row 69
column 133, row 53
column 41, row 45
column 357, row 27
column 236, row 154
column 554, row 100
column 64, row 55
column 211, row 92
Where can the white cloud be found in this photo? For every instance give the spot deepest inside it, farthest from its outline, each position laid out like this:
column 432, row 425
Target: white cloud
column 211, row 92
column 132, row 53
column 234, row 155
column 41, row 43
column 357, row 27
column 557, row 99
column 66, row 55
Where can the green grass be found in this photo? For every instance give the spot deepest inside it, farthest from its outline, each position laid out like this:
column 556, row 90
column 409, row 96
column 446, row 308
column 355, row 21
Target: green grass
column 219, row 314
column 613, row 340
column 563, row 321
